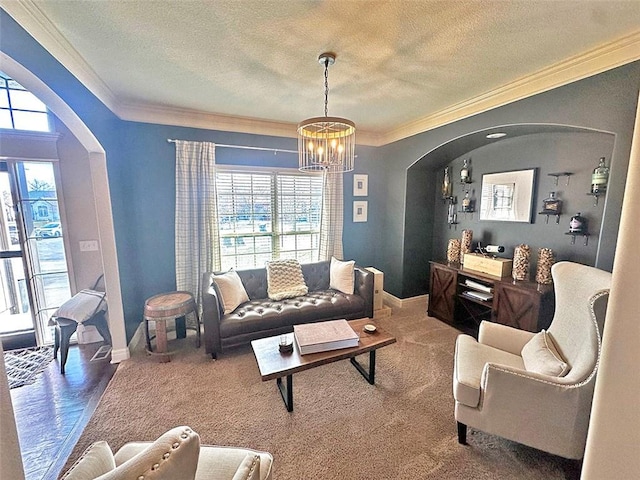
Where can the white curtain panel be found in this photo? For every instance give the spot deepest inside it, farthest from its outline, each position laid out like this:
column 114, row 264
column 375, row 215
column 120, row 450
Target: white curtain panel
column 197, row 245
column 332, row 216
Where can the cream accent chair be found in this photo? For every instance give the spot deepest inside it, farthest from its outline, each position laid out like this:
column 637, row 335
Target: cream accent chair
column 501, row 384
column 176, row 455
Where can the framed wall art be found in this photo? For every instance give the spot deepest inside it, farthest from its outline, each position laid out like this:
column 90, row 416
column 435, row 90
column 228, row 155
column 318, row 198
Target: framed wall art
column 360, row 185
column 507, row 196
column 360, row 211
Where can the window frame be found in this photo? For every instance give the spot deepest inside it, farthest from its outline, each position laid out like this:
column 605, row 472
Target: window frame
column 6, row 89
column 276, row 233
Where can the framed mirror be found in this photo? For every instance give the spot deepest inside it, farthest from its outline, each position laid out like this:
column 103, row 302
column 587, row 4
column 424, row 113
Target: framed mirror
column 507, row 196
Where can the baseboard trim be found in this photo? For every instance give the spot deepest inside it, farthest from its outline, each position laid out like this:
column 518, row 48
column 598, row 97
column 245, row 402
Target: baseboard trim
column 396, row 302
column 383, row 312
column 137, row 341
column 120, row 355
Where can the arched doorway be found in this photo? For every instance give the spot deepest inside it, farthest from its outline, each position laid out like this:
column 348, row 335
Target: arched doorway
column 102, row 199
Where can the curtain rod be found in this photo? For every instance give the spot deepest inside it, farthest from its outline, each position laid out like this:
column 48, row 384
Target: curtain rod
column 245, row 147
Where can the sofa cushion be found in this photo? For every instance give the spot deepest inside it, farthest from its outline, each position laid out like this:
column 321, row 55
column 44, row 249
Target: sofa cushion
column 341, row 275
column 230, row 290
column 540, row 355
column 96, row 460
column 266, row 314
column 285, row 279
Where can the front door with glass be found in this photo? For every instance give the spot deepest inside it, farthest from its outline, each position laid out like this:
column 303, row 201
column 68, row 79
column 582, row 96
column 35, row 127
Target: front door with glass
column 34, row 270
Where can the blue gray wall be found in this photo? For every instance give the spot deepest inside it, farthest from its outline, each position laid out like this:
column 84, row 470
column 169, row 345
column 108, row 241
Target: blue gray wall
column 605, row 102
column 404, row 228
column 577, row 153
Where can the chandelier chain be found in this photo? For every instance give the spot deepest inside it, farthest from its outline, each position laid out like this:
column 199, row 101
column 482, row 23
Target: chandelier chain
column 326, row 87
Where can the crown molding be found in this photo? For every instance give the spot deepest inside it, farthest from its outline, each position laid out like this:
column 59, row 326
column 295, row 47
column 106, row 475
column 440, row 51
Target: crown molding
column 592, row 62
column 605, row 57
column 30, row 17
column 181, row 117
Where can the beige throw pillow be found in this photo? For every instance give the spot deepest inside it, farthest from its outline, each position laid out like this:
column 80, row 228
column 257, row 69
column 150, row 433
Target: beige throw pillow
column 285, row 279
column 540, row 355
column 230, row 291
column 341, row 275
column 96, row 460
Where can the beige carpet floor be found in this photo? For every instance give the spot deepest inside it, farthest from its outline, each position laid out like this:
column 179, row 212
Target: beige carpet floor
column 341, row 427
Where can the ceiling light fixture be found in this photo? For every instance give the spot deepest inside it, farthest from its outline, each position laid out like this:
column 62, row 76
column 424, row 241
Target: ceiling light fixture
column 497, row 135
column 326, row 143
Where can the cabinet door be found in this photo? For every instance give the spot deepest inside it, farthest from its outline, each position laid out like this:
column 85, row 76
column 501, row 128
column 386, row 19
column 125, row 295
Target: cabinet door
column 442, row 293
column 516, row 307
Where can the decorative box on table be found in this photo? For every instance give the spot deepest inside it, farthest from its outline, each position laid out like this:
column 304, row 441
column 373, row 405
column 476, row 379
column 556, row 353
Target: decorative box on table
column 498, row 267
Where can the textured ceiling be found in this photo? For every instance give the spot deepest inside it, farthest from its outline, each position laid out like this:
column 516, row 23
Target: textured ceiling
column 397, row 61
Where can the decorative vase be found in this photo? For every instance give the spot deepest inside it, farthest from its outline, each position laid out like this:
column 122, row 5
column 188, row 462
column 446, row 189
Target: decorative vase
column 545, row 260
column 552, row 205
column 465, row 244
column 446, row 185
column 599, row 178
column 521, row 262
column 464, row 172
column 453, row 250
column 578, row 224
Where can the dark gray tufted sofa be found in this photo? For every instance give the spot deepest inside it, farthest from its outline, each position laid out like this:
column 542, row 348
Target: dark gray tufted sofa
column 263, row 317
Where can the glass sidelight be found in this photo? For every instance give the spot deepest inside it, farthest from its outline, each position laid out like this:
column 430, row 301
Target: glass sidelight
column 34, row 269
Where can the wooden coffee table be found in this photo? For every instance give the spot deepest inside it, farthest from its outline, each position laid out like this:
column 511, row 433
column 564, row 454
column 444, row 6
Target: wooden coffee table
column 275, row 365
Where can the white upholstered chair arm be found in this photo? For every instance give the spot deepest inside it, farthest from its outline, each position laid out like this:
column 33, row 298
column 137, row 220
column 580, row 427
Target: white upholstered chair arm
column 503, row 337
column 510, row 393
column 516, row 403
column 497, row 375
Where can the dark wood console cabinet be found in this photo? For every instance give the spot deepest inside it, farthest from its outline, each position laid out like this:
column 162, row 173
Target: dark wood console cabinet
column 520, row 304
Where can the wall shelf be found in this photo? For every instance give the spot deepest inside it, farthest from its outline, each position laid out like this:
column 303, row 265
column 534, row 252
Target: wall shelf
column 578, row 234
column 596, row 196
column 560, row 174
column 557, row 215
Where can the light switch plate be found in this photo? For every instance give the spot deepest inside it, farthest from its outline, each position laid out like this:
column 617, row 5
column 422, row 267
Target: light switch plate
column 88, row 245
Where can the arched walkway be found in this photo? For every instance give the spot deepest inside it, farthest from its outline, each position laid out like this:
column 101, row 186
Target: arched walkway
column 102, row 200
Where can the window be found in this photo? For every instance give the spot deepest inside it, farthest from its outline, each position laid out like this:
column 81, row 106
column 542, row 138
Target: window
column 43, row 211
column 267, row 215
column 21, row 109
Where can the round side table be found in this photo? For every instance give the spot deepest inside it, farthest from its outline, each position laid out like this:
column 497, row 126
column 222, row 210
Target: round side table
column 163, row 307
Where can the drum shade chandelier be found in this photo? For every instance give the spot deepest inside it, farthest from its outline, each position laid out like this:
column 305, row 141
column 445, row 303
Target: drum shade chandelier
column 326, row 143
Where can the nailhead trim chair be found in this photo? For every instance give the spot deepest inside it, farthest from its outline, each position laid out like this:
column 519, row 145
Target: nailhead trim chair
column 500, row 388
column 176, row 455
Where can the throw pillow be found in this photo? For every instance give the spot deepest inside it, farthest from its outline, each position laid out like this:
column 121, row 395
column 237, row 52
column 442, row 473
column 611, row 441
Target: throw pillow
column 249, row 469
column 341, row 275
column 82, row 306
column 96, row 460
column 540, row 355
column 231, row 292
column 285, row 279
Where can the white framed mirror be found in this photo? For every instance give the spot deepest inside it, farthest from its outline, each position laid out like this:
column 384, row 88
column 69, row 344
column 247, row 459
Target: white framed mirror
column 507, row 196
